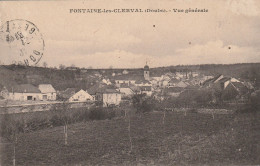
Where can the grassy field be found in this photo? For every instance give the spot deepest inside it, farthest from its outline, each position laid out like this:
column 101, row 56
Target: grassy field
column 192, row 139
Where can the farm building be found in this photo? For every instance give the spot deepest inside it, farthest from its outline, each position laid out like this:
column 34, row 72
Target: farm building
column 24, row 92
column 48, row 92
column 108, row 97
column 81, row 96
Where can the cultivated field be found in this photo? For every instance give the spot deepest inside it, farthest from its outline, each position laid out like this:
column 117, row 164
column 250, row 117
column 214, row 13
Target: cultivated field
column 228, row 139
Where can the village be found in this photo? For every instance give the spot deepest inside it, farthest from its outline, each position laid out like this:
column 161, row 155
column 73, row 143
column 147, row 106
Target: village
column 118, row 88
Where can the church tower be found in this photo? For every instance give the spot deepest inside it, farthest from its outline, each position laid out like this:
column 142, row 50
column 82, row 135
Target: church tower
column 146, row 72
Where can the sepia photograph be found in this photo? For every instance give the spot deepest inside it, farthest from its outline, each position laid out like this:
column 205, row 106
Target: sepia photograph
column 129, row 83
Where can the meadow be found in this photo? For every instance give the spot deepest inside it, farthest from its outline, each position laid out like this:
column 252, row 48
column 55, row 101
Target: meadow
column 154, row 138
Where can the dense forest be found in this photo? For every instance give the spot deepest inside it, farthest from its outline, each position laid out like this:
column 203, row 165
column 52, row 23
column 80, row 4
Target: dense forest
column 79, row 78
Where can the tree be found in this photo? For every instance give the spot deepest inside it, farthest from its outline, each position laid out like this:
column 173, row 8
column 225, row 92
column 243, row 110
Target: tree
column 62, row 67
column 142, row 103
column 45, row 64
column 62, row 118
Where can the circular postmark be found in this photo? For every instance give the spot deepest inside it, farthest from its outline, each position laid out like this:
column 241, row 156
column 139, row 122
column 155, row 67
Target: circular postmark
column 21, row 42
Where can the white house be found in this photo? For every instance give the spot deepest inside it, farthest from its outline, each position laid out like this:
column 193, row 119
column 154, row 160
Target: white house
column 24, row 92
column 81, row 96
column 48, row 92
column 109, row 97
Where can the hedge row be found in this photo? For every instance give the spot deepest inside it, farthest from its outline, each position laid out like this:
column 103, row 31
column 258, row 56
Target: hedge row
column 13, row 124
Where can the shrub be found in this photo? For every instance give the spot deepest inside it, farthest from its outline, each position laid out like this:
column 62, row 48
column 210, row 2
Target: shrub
column 142, row 103
column 97, row 114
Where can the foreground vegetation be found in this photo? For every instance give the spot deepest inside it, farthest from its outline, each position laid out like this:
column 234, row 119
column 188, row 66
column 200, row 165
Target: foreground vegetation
column 156, row 139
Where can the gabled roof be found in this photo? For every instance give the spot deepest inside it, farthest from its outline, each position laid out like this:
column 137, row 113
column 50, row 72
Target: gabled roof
column 208, row 81
column 67, row 93
column 174, row 80
column 240, row 87
column 216, row 78
column 135, row 88
column 46, row 88
column 101, row 88
column 93, row 90
column 24, row 88
column 224, row 79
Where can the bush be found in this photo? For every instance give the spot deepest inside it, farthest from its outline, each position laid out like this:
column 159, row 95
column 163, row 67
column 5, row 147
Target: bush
column 142, row 103
column 97, row 114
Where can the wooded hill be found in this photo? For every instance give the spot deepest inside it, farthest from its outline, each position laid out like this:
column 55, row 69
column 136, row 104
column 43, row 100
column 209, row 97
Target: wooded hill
column 84, row 78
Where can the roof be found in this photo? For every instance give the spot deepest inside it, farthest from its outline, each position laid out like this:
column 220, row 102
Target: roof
column 173, row 89
column 143, row 81
column 101, row 88
column 224, row 79
column 93, row 90
column 240, row 87
column 146, row 67
column 68, row 92
column 110, row 91
column 46, row 88
column 217, row 77
column 124, row 85
column 174, row 80
column 24, row 88
column 145, row 88
column 208, row 81
column 129, row 77
column 135, row 88
column 155, row 74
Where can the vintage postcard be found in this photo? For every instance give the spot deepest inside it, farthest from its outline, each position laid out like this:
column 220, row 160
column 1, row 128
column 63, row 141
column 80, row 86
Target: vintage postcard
column 119, row 82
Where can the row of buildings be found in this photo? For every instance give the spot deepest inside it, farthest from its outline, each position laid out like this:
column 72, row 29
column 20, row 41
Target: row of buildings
column 111, row 91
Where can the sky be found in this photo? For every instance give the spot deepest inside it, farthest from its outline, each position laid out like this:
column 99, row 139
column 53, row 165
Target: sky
column 228, row 33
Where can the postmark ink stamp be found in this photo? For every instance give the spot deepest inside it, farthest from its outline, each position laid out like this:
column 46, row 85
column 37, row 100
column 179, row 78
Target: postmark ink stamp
column 22, row 42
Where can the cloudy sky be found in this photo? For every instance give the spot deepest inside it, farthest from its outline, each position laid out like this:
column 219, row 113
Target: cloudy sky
column 228, row 33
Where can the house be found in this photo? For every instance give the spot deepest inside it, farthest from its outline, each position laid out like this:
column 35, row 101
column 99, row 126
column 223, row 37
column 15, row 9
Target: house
column 108, row 97
column 146, row 90
column 106, row 81
column 142, row 82
column 48, row 92
column 223, row 82
column 235, row 90
column 181, row 84
column 164, row 81
column 210, row 82
column 95, row 88
column 172, row 91
column 138, row 80
column 125, row 72
column 173, row 82
column 126, row 91
column 81, row 96
column 24, row 92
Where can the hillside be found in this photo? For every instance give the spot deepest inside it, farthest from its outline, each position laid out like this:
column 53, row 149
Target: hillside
column 84, row 78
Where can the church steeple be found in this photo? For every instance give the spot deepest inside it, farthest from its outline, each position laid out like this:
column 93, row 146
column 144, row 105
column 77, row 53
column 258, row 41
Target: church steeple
column 146, row 72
